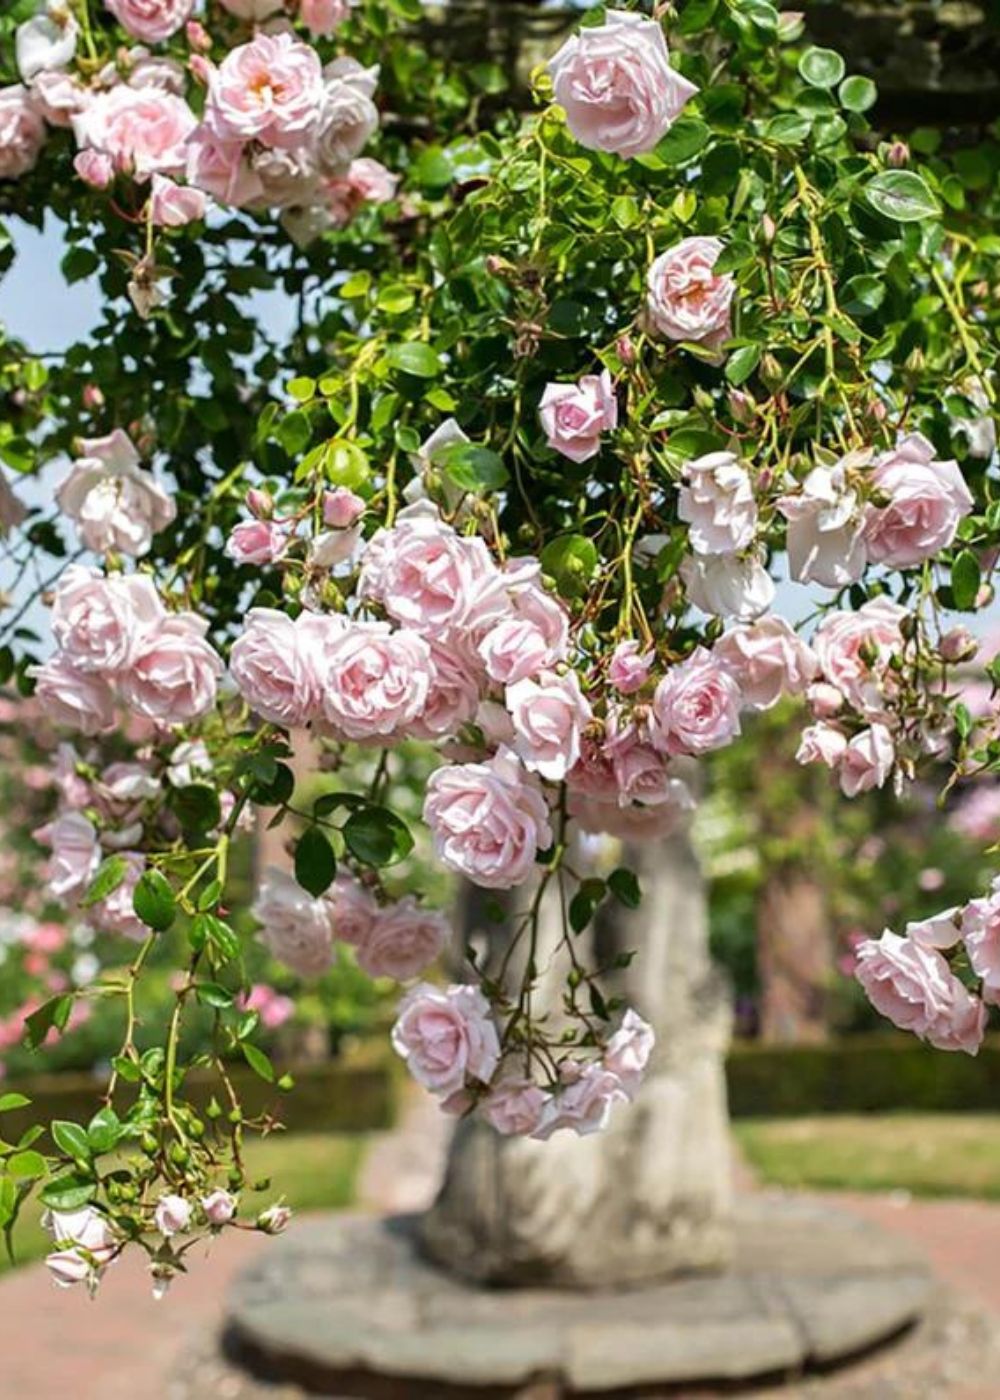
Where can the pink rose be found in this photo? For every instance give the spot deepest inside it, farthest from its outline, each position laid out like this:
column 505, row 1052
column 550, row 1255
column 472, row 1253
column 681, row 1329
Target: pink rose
column 376, row 681
column 447, row 1037
column 616, row 85
column 821, row 743
column 824, row 537
column 981, row 934
column 939, row 931
column 152, row 21
column 718, row 504
column 322, row 16
column 22, row 132
column 116, row 912
column 341, row 508
column 269, row 90
column 686, row 300
column 915, row 989
column 115, row 504
column 144, row 131
column 488, row 820
column 585, row 1102
column 365, row 181
column 86, row 1244
column 257, row 542
column 629, row 667
column 273, row 1009
column 867, row 761
column 173, row 205
column 74, row 698
column 514, row 1106
column 348, row 117
column 334, row 547
column 153, row 70
column 575, row 415
column 277, row 664
column 296, row 927
column 549, row 716
column 223, row 170
column 59, row 96
column 824, row 700
column 533, row 636
column 453, row 696
column 98, row 622
column 94, row 169
column 174, row 673
column 403, row 940
column 627, row 1053
column 640, row 770
column 353, row 910
column 253, row 11
column 45, row 42
column 219, row 1207
column 172, row 1215
column 927, row 501
column 423, row 572
column 854, row 650
column 635, row 822
column 767, row 659
column 696, row 706
column 728, row 585
column 75, row 856
column 275, row 1219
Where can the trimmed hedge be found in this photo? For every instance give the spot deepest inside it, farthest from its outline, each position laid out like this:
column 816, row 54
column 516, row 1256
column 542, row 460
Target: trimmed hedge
column 860, row 1074
column 352, row 1095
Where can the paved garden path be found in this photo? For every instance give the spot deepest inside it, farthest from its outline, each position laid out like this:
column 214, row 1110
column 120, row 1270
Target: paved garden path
column 125, row 1346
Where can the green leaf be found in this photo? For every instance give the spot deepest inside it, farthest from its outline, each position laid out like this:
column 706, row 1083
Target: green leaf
column 472, row 467
column 25, row 1164
column 822, row 68
column 196, row 807
column 857, row 94
column 104, row 1131
column 71, row 1139
column 68, row 1192
column 110, row 874
column 8, row 1102
column 79, row 263
column 315, row 862
column 901, row 195
column 415, row 358
column 788, row 129
column 624, row 885
column 294, row 432
column 572, row 561
column 966, row 578
column 742, row 363
column 54, row 1012
column 376, row 836
column 258, row 1061
column 209, row 931
column 683, row 141
column 154, row 901
column 214, row 995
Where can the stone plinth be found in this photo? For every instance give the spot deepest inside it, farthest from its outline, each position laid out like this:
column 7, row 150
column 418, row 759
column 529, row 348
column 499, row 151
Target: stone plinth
column 346, row 1307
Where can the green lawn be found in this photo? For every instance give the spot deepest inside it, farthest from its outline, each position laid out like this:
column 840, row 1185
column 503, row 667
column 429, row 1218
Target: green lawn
column 940, row 1154
column 312, row 1171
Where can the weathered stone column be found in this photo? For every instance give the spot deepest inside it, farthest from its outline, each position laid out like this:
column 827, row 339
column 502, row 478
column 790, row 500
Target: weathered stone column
column 651, row 1196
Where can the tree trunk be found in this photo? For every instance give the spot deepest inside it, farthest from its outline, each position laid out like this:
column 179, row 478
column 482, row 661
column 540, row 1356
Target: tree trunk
column 795, row 957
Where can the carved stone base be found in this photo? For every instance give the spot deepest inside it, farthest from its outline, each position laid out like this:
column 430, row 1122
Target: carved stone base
column 346, row 1307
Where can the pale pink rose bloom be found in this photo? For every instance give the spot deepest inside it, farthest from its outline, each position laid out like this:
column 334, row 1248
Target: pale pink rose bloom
column 296, row 927
column 584, row 1103
column 641, row 771
column 22, row 132
column 333, row 547
column 116, row 912
column 514, row 1106
column 341, row 508
column 173, row 205
column 366, row 181
column 824, row 537
column 75, row 855
column 353, row 910
column 575, row 415
column 768, row 659
column 453, row 697
column 824, row 700
column 144, row 131
column 627, row 1053
column 696, row 706
column 927, row 501
column 821, row 743
column 348, row 118
column 322, row 16
column 488, row 820
column 424, row 573
column 403, row 941
column 977, row 814
column 447, row 1036
column 223, row 170
column 939, row 931
column 219, row 1207
column 549, row 716
column 275, row 1219
column 115, row 504
column 12, row 508
column 728, row 585
column 46, row 42
column 286, row 176
column 86, row 1244
column 74, row 698
column 278, row 665
column 172, row 1215
column 58, row 96
column 867, row 761
column 981, row 933
column 616, row 85
column 915, row 989
column 98, row 621
column 533, row 636
column 717, row 502
column 156, row 71
column 854, row 650
column 376, row 681
column 685, row 299
column 629, row 668
column 269, row 90
column 257, row 542
column 94, row 168
column 152, row 21
column 174, row 673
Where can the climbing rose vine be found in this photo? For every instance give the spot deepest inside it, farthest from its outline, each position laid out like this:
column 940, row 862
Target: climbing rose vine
column 563, row 397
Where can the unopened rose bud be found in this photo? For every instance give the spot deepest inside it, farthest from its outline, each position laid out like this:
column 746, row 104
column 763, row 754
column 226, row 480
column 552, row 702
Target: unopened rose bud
column 260, row 503
column 958, row 645
column 916, row 361
column 173, row 1214
column 94, row 169
column 985, row 596
column 897, row 154
column 201, row 69
column 198, row 36
column 496, row 265
column 742, row 405
column 219, row 1207
column 273, row 1220
column 791, row 24
column 625, row 350
column 824, row 700
column 768, row 229
column 879, row 411
column 92, row 397
column 341, row 507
